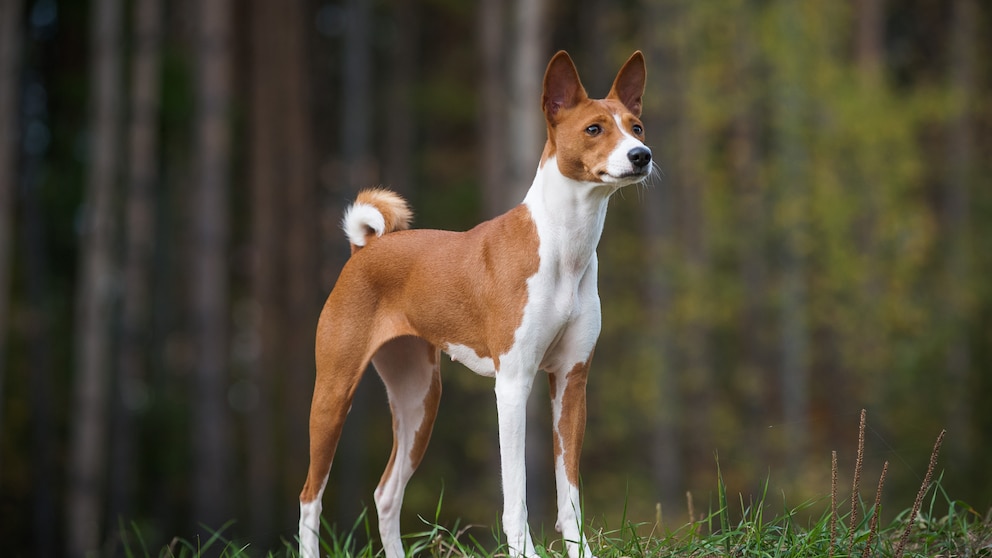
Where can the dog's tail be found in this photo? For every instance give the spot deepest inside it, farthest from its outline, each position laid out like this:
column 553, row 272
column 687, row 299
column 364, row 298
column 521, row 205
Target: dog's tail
column 376, row 212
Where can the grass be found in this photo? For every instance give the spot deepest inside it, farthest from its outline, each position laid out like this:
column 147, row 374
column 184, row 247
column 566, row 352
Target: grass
column 760, row 532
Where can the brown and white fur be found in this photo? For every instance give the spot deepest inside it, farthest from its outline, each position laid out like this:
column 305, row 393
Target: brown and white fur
column 512, row 296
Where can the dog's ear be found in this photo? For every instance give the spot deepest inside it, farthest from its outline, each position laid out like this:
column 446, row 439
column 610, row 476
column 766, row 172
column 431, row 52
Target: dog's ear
column 628, row 87
column 562, row 88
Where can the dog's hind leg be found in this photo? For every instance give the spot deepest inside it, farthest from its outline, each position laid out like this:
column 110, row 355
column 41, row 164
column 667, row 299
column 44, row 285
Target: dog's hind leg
column 410, row 368
column 338, row 374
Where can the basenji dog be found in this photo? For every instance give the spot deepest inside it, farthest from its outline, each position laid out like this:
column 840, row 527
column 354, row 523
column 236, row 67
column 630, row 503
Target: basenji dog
column 512, row 296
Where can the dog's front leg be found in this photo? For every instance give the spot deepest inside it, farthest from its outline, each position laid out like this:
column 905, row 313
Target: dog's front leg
column 512, row 391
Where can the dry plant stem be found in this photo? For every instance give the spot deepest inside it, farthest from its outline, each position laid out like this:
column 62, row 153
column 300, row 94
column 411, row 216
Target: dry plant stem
column 919, row 495
column 857, row 480
column 692, row 511
column 873, row 524
column 833, row 502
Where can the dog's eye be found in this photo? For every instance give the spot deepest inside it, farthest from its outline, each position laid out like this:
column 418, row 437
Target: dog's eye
column 594, row 129
column 637, row 129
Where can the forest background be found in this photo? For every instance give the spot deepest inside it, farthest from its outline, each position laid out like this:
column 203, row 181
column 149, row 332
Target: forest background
column 172, row 175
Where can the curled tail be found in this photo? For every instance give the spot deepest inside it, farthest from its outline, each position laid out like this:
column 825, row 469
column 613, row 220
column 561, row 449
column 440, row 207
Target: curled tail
column 376, row 212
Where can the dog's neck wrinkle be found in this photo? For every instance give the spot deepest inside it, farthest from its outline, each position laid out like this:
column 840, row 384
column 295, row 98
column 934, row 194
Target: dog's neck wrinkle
column 573, row 214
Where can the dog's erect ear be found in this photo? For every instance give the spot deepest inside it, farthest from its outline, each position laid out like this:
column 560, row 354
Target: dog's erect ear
column 562, row 88
column 628, row 87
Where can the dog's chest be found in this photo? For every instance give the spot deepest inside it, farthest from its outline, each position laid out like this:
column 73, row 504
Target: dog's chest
column 556, row 293
column 559, row 298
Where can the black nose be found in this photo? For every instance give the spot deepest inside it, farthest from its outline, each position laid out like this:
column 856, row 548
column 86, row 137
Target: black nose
column 639, row 156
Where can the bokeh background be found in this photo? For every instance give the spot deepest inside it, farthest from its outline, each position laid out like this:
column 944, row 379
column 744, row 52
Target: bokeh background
column 172, row 175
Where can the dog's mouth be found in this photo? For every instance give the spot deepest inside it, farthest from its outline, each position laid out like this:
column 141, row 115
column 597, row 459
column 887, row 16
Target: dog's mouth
column 638, row 173
column 630, row 176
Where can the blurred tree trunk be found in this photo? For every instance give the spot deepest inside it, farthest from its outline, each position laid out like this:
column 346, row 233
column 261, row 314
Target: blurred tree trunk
column 400, row 132
column 526, row 75
column 356, row 123
column 131, row 389
column 751, row 374
column 37, row 326
column 792, row 157
column 697, row 374
column 267, row 183
column 10, row 83
column 212, row 144
column 490, row 33
column 526, row 139
column 359, row 172
column 88, row 436
column 662, row 123
column 833, row 378
column 956, row 224
column 869, row 46
column 492, row 101
column 303, row 290
column 43, row 429
column 596, row 47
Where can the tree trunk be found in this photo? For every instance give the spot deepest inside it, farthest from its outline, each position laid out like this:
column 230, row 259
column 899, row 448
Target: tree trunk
column 662, row 122
column 793, row 161
column 10, row 82
column 526, row 140
column 211, row 439
column 689, row 183
column 492, row 112
column 43, row 431
column 596, row 47
column 956, row 203
column 868, row 336
column 356, row 147
column 398, row 156
column 869, row 46
column 304, row 296
column 526, row 122
column 132, row 382
column 87, row 452
column 751, row 374
column 284, row 304
column 266, row 181
column 356, row 118
column 37, row 329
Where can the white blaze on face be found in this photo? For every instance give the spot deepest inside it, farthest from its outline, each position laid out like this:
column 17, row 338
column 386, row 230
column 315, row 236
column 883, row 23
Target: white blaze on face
column 618, row 165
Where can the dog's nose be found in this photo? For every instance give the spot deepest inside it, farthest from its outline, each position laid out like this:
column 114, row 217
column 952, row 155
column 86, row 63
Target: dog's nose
column 639, row 156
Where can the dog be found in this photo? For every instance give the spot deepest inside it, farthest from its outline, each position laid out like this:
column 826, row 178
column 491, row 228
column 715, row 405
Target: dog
column 512, row 296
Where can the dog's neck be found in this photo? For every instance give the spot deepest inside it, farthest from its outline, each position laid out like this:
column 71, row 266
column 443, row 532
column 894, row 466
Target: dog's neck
column 570, row 214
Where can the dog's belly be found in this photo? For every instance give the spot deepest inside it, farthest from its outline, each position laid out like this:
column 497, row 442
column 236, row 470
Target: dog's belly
column 533, row 341
column 483, row 366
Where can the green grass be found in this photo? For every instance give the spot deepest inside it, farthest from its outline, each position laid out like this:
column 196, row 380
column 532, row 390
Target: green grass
column 936, row 525
column 760, row 532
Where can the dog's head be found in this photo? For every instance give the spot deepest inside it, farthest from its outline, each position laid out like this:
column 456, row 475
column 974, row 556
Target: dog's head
column 596, row 140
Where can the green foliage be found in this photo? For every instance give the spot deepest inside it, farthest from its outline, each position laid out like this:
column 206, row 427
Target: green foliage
column 793, row 533
column 134, row 545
